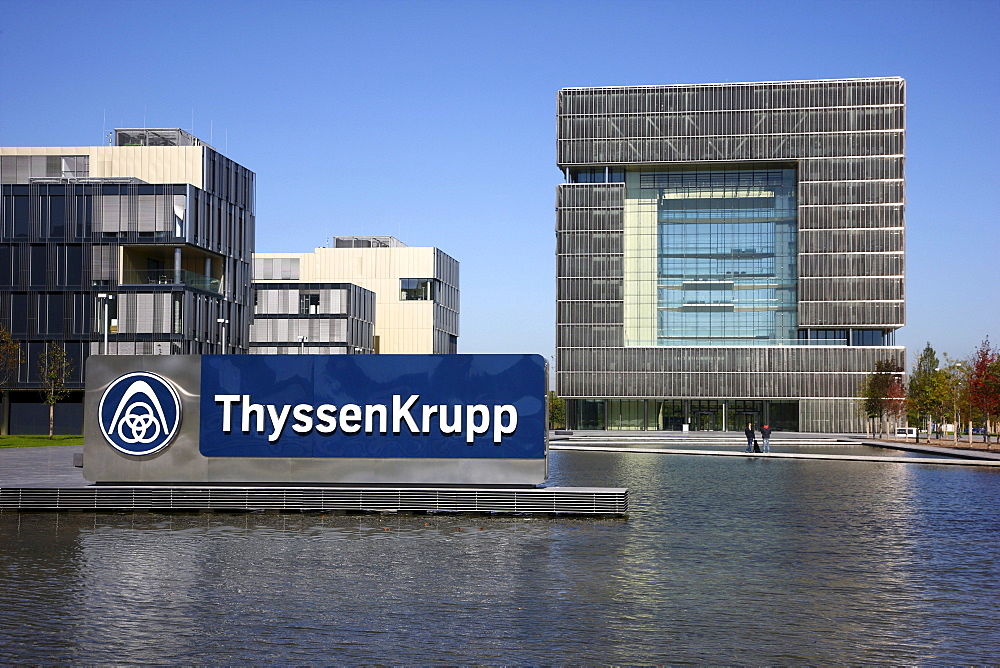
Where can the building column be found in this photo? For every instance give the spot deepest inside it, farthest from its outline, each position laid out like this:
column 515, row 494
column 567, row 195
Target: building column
column 177, row 266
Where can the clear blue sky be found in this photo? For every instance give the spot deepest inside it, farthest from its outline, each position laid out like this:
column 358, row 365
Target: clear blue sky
column 435, row 121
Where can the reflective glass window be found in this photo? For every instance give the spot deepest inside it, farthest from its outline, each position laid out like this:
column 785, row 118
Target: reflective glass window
column 421, row 289
column 726, row 255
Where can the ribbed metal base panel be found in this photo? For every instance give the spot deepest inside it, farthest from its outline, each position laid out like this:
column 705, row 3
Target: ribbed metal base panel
column 552, row 500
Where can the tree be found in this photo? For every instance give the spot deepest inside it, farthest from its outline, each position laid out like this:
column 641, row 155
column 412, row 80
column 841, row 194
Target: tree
column 10, row 360
column 927, row 395
column 557, row 411
column 883, row 394
column 54, row 368
column 955, row 379
column 984, row 384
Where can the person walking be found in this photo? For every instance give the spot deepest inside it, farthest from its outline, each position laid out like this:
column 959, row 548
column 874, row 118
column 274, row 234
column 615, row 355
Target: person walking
column 749, row 434
column 765, row 434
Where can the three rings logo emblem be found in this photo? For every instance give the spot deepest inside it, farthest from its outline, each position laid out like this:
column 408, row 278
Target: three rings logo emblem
column 140, row 413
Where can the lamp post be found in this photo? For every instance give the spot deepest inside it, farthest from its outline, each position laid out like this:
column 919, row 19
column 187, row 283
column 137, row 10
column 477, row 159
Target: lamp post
column 105, row 298
column 223, row 322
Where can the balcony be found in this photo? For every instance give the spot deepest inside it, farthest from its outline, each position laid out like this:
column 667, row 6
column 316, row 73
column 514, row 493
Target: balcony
column 171, row 277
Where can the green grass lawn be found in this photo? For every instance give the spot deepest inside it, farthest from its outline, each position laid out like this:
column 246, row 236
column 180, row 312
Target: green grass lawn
column 35, row 441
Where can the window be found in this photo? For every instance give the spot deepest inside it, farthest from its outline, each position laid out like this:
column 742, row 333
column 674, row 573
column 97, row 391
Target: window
column 276, row 269
column 308, row 303
column 866, row 337
column 417, row 289
column 598, row 175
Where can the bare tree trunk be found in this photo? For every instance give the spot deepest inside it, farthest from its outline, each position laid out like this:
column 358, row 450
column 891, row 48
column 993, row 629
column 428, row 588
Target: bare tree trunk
column 52, row 418
column 5, row 414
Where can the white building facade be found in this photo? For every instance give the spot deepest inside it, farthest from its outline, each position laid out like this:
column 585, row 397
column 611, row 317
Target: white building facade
column 416, row 288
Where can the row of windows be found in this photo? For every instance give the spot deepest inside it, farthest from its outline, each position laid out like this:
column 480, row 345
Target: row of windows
column 596, row 220
column 825, row 169
column 599, row 175
column 881, row 314
column 860, row 288
column 42, row 266
column 612, row 336
column 611, row 195
column 860, row 264
column 877, row 314
column 810, row 415
column 269, row 269
column 125, row 213
column 853, row 241
column 775, row 359
column 680, row 414
column 728, row 149
column 693, row 327
column 711, row 123
column 850, row 337
column 851, row 169
column 283, row 331
column 846, row 217
column 870, row 192
column 778, row 383
column 870, row 263
column 23, row 168
column 585, row 221
column 761, row 95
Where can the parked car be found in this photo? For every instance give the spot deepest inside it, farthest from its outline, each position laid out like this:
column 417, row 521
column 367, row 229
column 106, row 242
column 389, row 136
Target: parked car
column 975, row 430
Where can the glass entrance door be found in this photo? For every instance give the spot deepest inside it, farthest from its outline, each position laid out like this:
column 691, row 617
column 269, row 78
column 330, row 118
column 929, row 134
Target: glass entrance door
column 706, row 415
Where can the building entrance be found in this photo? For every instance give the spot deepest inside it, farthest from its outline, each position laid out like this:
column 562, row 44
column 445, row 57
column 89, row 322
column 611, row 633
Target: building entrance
column 742, row 412
column 706, row 415
column 676, row 414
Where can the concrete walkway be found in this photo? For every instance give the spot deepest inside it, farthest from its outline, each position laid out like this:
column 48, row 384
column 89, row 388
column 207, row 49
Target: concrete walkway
column 646, row 442
column 931, row 449
column 954, row 461
column 46, row 467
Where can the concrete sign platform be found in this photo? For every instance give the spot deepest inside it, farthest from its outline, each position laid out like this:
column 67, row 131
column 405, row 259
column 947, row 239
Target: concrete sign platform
column 45, row 479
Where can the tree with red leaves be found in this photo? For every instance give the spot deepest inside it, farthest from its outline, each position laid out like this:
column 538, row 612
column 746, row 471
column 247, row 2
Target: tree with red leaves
column 984, row 385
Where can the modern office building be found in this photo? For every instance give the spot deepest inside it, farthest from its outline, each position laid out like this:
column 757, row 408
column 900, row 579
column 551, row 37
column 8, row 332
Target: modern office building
column 312, row 318
column 139, row 247
column 728, row 253
column 416, row 289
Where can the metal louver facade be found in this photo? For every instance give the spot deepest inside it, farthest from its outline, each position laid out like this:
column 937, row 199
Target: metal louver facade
column 728, row 252
column 160, row 221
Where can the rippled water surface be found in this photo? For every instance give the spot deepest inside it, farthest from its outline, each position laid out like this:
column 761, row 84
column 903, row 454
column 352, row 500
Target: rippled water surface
column 723, row 560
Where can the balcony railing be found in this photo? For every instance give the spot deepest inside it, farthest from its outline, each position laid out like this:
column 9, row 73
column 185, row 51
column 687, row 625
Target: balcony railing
column 171, row 277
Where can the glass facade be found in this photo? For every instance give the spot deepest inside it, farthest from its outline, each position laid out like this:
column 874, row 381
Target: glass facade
column 681, row 414
column 726, row 244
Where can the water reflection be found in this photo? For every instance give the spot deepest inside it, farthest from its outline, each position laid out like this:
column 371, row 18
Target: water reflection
column 722, row 561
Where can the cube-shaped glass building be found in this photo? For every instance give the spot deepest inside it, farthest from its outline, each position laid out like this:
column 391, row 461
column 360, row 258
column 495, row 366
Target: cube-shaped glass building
column 728, row 253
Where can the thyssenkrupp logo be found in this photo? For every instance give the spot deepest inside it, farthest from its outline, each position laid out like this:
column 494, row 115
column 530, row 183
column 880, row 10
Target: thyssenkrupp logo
column 140, row 413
